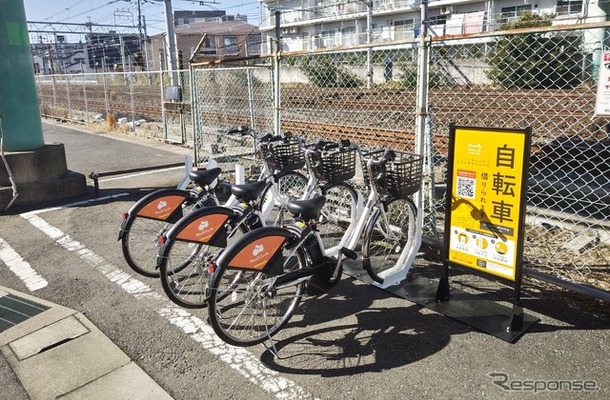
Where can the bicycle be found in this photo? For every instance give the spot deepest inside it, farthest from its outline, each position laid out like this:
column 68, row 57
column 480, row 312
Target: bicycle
column 153, row 215
column 259, row 280
column 330, row 165
column 189, row 245
column 186, row 253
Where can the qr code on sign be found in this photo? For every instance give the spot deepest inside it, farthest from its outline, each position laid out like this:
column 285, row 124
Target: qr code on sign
column 466, row 187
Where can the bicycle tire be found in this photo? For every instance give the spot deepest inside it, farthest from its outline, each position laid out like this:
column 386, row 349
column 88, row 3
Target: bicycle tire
column 184, row 261
column 140, row 232
column 290, row 185
column 339, row 213
column 243, row 309
column 381, row 247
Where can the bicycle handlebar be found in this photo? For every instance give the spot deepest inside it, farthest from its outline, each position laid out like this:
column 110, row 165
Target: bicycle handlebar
column 242, row 130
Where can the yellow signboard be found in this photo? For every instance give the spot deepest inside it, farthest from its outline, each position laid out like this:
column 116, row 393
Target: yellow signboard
column 487, row 199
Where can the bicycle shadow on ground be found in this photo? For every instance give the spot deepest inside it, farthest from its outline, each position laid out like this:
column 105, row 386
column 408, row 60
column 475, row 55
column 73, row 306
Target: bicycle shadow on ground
column 380, row 339
column 349, row 331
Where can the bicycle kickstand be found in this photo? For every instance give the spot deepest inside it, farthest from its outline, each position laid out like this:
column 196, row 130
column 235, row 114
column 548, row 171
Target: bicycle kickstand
column 272, row 349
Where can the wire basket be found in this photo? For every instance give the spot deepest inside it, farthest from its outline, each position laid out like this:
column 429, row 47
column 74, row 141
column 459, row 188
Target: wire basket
column 336, row 165
column 399, row 178
column 284, row 155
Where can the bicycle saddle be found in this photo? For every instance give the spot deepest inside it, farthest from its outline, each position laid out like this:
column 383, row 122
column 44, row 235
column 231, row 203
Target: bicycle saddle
column 249, row 191
column 307, row 209
column 204, row 177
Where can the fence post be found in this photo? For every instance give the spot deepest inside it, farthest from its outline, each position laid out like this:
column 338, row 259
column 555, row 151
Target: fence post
column 369, row 50
column 276, row 65
column 132, row 100
column 84, row 93
column 161, row 87
column 251, row 93
column 194, row 116
column 41, row 95
column 422, row 94
column 68, row 96
column 54, row 95
column 106, row 104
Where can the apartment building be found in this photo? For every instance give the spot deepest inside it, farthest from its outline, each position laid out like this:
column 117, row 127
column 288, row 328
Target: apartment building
column 324, row 24
column 223, row 39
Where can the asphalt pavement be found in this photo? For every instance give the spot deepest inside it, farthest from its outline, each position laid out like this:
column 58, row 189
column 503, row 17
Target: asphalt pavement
column 104, row 336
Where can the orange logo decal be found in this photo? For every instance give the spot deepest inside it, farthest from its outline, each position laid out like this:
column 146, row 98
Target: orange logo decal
column 161, row 208
column 203, row 229
column 256, row 254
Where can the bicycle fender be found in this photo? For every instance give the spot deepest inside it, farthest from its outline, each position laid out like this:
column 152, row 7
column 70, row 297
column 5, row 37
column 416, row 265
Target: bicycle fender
column 205, row 226
column 163, row 205
column 258, row 250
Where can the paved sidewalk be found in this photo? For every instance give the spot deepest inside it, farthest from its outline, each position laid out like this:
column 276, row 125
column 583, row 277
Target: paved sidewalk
column 57, row 353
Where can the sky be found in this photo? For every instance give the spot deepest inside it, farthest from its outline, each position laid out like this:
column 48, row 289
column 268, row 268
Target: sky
column 124, row 12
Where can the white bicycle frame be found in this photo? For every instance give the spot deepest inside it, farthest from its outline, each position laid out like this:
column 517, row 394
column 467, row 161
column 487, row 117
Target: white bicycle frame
column 398, row 273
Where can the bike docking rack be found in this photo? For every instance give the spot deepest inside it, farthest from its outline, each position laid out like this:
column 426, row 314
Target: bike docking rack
column 479, row 239
column 188, row 165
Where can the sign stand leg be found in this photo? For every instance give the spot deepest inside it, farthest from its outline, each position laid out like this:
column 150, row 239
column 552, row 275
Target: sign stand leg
column 443, row 293
column 516, row 324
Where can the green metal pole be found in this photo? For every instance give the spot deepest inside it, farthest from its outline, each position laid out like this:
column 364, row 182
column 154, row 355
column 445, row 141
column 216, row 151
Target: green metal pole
column 21, row 124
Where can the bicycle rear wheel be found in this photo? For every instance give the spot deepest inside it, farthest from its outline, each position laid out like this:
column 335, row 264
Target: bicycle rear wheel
column 245, row 307
column 184, row 263
column 385, row 238
column 149, row 219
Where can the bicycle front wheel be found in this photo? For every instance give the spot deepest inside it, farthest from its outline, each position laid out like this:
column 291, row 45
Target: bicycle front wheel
column 285, row 186
column 387, row 234
column 246, row 308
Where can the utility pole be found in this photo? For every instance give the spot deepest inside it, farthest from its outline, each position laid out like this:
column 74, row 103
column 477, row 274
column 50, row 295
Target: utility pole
column 171, row 42
column 146, row 61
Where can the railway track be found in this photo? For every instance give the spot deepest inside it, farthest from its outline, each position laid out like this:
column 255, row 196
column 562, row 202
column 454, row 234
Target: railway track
column 370, row 116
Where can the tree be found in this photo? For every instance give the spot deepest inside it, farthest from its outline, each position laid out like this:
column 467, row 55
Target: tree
column 537, row 60
column 323, row 71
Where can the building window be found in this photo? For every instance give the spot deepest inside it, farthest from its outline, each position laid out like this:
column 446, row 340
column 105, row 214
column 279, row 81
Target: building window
column 438, row 20
column 511, row 13
column 348, row 36
column 404, row 29
column 569, row 7
column 208, row 47
column 230, row 45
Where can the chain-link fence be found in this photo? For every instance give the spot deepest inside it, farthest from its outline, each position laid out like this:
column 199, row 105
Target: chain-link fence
column 153, row 104
column 226, row 97
column 544, row 78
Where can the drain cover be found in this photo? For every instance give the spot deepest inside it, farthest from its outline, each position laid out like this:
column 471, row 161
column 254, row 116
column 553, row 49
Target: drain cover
column 14, row 310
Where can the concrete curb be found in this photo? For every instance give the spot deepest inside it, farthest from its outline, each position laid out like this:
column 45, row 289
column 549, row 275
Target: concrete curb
column 60, row 354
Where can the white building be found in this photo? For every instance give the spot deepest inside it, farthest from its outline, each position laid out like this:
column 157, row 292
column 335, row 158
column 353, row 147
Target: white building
column 323, row 24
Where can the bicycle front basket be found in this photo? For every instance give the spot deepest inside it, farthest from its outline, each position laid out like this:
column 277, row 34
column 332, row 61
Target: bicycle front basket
column 336, row 165
column 400, row 178
column 285, row 155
